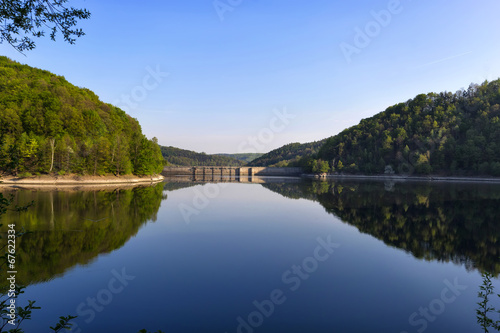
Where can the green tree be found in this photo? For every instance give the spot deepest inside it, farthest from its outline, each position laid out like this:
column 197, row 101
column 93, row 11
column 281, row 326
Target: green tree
column 423, row 166
column 5, row 152
column 100, row 156
column 28, row 148
column 120, row 155
column 149, row 159
column 340, row 165
column 323, row 166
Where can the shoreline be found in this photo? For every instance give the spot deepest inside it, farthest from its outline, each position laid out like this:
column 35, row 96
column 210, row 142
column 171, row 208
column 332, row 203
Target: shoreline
column 456, row 179
column 77, row 180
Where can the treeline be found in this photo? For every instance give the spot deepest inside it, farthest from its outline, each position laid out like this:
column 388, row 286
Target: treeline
column 48, row 125
column 288, row 155
column 443, row 134
column 244, row 157
column 181, row 157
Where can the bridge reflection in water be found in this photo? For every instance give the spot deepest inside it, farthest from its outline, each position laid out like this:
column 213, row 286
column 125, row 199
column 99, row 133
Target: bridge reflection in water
column 225, row 173
column 216, row 179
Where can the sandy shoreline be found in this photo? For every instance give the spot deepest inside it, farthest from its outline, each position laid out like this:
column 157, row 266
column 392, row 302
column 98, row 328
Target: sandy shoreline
column 406, row 178
column 76, row 180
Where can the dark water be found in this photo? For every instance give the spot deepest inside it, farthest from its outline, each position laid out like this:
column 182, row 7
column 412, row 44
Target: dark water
column 281, row 256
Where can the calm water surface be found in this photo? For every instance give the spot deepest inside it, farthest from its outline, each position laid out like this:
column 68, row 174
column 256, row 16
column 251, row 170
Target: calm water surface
column 279, row 256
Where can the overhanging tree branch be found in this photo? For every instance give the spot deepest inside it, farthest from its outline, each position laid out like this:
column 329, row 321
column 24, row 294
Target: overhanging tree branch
column 23, row 20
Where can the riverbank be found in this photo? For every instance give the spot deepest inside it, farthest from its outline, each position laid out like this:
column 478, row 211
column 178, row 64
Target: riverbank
column 47, row 180
column 406, row 178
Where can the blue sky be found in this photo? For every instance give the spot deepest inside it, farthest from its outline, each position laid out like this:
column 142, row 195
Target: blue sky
column 329, row 64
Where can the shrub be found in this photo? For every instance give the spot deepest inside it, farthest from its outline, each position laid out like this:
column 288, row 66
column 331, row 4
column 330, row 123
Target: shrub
column 25, row 175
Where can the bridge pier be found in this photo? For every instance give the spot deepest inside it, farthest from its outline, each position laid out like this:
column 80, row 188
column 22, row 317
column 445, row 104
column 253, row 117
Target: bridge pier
column 216, row 171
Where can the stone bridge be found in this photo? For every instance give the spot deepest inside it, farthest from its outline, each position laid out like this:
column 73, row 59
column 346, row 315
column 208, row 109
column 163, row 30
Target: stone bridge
column 216, row 171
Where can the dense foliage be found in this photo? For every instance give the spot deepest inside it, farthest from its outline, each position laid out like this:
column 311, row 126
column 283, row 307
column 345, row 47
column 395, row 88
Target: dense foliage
column 445, row 134
column 244, row 157
column 48, row 125
column 181, row 157
column 288, row 155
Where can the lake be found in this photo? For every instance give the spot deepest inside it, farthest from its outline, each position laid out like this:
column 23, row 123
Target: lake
column 270, row 255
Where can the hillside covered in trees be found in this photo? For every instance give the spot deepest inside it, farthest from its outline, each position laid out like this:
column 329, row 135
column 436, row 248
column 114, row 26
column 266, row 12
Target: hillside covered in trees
column 437, row 133
column 48, row 125
column 181, row 157
column 441, row 134
column 245, row 157
column 288, row 155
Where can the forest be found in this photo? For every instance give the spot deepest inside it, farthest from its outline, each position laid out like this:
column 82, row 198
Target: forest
column 181, row 157
column 49, row 126
column 436, row 133
column 288, row 155
column 447, row 134
column 245, row 157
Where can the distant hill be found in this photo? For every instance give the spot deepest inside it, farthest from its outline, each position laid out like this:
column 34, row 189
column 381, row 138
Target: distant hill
column 181, row 157
column 245, row 157
column 288, row 155
column 435, row 133
column 48, row 125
